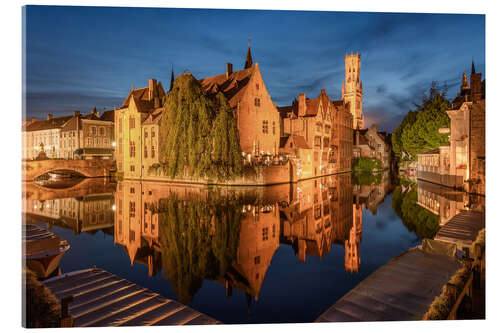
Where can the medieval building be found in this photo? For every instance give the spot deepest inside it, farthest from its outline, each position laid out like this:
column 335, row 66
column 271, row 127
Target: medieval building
column 462, row 163
column 370, row 143
column 352, row 89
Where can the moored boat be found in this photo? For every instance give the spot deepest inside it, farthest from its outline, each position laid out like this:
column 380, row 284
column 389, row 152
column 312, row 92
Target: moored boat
column 42, row 250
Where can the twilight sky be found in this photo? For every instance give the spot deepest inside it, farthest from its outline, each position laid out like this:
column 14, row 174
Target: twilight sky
column 81, row 57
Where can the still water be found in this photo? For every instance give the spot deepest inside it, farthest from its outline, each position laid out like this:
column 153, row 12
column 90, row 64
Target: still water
column 270, row 254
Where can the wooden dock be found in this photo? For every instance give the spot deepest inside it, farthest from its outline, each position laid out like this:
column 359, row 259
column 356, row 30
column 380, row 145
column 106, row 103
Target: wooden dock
column 104, row 299
column 402, row 289
column 462, row 229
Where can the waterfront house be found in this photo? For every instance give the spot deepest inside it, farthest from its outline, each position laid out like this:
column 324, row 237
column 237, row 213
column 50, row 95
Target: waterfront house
column 370, row 143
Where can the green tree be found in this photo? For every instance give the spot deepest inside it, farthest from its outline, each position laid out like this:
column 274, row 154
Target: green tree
column 418, row 132
column 367, row 165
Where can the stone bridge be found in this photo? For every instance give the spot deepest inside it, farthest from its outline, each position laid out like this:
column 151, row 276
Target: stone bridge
column 87, row 168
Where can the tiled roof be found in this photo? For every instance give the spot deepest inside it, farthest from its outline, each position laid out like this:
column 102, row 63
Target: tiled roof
column 297, row 140
column 154, row 117
column 432, row 151
column 233, row 87
column 108, row 115
column 40, row 125
column 141, row 98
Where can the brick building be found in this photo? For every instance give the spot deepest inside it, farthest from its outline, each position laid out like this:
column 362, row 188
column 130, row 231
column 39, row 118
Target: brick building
column 255, row 113
column 324, row 126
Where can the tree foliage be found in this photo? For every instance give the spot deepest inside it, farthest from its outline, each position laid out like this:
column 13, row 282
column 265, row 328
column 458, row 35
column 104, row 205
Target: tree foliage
column 199, row 134
column 418, row 132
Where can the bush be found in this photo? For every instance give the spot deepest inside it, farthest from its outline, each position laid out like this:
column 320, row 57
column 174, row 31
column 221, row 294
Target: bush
column 42, row 308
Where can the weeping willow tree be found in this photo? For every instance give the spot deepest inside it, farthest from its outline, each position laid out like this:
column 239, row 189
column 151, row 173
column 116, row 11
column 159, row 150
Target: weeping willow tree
column 199, row 134
column 199, row 240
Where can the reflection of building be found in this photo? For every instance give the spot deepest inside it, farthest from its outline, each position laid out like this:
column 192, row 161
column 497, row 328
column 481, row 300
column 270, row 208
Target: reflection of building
column 89, row 213
column 462, row 165
column 373, row 195
column 369, row 143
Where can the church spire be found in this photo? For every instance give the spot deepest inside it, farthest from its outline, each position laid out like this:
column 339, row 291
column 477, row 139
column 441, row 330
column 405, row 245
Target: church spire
column 473, row 69
column 248, row 61
column 172, row 79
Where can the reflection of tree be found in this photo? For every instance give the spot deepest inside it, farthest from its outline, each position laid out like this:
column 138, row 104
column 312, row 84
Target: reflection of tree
column 199, row 240
column 414, row 217
column 366, row 178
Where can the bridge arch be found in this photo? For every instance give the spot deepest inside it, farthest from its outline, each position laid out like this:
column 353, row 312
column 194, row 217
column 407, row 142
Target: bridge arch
column 86, row 168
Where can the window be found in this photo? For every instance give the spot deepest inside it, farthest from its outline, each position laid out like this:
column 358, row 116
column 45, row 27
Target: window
column 102, row 131
column 131, row 235
column 152, row 151
column 326, row 141
column 120, row 146
column 265, row 234
column 132, row 168
column 145, row 151
column 317, row 141
column 319, row 127
column 131, row 122
column 265, row 128
column 257, row 86
column 89, row 142
column 94, row 130
column 274, row 127
column 132, row 190
column 145, row 133
column 327, row 129
column 131, row 207
column 152, row 132
column 274, row 230
column 256, row 260
column 120, row 207
column 257, row 101
column 132, row 149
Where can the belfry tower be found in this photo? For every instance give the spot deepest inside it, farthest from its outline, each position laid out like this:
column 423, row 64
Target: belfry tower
column 352, row 89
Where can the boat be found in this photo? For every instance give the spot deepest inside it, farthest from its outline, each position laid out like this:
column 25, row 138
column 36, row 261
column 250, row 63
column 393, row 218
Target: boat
column 42, row 250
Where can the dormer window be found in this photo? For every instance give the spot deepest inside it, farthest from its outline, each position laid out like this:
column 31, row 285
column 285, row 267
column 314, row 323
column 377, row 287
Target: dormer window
column 257, row 101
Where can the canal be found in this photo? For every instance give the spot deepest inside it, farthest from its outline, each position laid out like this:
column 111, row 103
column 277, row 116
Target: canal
column 274, row 254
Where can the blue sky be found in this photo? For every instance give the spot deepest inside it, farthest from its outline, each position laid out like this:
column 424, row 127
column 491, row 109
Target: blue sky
column 81, row 57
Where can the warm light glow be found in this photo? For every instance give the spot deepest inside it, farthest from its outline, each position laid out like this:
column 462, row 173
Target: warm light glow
column 113, row 144
column 113, row 208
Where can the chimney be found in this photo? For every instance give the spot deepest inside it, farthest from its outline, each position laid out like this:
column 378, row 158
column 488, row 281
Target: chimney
column 302, row 104
column 152, row 89
column 229, row 69
column 49, row 116
column 323, row 92
column 76, row 113
column 34, row 119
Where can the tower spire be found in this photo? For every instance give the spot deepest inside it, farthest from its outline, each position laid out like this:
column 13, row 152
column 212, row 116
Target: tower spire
column 248, row 61
column 172, row 78
column 473, row 69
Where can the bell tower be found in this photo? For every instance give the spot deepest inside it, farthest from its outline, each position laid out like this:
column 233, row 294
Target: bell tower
column 352, row 89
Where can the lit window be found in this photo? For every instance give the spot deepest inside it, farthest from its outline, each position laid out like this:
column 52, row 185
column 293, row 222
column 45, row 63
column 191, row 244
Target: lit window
column 264, row 234
column 257, row 101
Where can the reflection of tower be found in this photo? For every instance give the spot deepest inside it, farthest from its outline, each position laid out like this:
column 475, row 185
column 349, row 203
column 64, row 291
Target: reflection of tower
column 352, row 89
column 352, row 258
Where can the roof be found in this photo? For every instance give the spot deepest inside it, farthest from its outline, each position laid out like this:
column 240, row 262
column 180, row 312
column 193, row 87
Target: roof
column 464, row 227
column 297, row 140
column 233, row 87
column 154, row 117
column 108, row 115
column 41, row 125
column 141, row 98
column 431, row 152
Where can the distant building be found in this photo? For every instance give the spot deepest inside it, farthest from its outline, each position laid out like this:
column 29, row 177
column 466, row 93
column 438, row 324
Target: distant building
column 462, row 163
column 369, row 143
column 43, row 135
column 87, row 136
